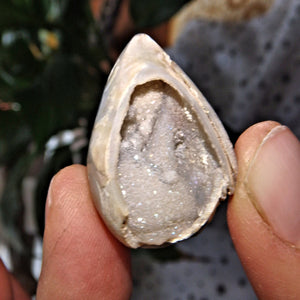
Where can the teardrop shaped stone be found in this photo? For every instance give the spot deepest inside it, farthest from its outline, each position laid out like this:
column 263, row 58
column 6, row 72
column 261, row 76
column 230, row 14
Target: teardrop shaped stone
column 159, row 159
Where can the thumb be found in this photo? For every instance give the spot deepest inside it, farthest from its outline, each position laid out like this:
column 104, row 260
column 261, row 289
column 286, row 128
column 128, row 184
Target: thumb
column 264, row 214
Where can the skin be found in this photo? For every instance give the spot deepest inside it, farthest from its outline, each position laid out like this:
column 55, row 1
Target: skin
column 81, row 257
column 272, row 264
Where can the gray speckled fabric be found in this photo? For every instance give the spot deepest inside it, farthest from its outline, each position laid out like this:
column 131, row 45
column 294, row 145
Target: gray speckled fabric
column 209, row 269
column 249, row 72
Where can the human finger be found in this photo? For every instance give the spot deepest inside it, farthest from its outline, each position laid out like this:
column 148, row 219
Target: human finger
column 264, row 214
column 9, row 288
column 81, row 259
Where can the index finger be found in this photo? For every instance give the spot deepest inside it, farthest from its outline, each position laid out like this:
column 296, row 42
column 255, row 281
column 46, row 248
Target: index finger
column 80, row 256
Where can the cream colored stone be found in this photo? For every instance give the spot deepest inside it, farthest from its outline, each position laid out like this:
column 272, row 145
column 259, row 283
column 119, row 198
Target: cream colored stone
column 159, row 158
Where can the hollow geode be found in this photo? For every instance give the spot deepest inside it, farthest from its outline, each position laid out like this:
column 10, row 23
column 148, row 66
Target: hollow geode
column 159, row 158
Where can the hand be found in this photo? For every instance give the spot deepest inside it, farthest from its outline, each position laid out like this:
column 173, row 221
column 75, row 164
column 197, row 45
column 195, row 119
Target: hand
column 264, row 214
column 81, row 257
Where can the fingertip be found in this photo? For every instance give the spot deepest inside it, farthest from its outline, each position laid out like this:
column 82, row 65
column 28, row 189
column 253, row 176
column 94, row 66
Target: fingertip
column 271, row 263
column 80, row 256
column 63, row 179
column 245, row 148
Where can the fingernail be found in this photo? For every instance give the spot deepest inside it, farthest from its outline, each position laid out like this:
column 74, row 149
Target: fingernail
column 273, row 183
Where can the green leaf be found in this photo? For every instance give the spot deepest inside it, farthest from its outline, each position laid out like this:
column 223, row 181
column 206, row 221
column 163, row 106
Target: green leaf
column 19, row 13
column 147, row 13
column 18, row 67
column 52, row 103
column 11, row 13
column 14, row 137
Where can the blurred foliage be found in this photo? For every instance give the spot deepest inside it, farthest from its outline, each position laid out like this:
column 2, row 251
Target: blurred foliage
column 50, row 81
column 147, row 13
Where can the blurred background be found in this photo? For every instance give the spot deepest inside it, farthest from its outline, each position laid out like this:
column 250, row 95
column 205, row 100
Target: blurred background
column 55, row 56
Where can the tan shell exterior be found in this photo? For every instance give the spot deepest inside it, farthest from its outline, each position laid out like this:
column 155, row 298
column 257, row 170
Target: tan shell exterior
column 143, row 61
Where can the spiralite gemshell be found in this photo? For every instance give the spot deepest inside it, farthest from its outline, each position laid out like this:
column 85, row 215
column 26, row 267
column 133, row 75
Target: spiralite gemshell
column 159, row 158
